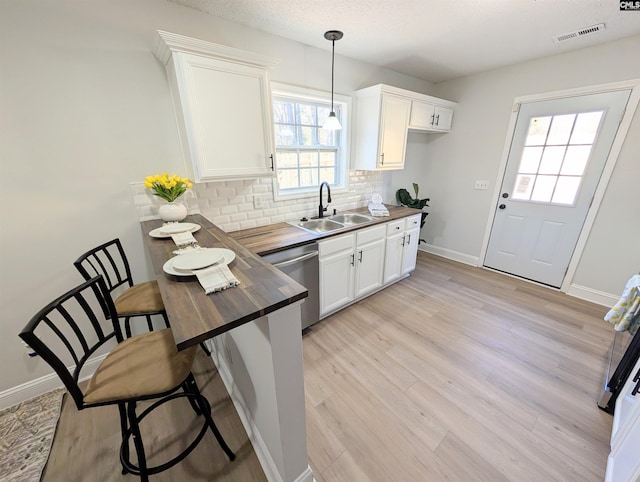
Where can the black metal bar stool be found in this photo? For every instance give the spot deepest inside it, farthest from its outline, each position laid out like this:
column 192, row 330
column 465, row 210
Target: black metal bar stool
column 131, row 300
column 142, row 367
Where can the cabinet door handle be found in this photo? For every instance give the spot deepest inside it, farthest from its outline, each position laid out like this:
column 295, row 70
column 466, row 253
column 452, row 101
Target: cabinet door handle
column 636, row 389
column 353, row 260
column 271, row 157
column 408, row 239
column 382, row 159
column 360, row 257
column 438, row 119
column 403, row 238
column 433, row 119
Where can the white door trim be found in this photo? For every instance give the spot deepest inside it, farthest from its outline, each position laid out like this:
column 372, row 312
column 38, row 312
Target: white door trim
column 634, row 99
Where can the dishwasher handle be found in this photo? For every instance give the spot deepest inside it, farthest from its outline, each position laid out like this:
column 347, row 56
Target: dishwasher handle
column 299, row 259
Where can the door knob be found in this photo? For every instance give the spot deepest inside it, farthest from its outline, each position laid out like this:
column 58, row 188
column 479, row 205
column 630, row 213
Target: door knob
column 502, row 206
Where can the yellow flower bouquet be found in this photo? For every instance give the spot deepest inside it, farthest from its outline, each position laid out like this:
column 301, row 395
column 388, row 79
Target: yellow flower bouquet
column 167, row 187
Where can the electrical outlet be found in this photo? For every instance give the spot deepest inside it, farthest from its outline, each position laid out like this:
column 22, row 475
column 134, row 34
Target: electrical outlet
column 482, row 185
column 258, row 202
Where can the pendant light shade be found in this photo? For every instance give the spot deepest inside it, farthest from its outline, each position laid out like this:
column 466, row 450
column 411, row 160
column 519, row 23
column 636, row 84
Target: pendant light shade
column 332, row 122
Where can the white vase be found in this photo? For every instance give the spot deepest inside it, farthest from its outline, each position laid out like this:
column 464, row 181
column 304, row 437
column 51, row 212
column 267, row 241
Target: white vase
column 174, row 211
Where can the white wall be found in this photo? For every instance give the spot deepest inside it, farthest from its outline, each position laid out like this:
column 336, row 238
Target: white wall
column 474, row 148
column 85, row 110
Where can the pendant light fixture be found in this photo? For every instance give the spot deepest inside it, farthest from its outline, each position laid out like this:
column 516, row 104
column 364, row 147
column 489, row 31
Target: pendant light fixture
column 332, row 122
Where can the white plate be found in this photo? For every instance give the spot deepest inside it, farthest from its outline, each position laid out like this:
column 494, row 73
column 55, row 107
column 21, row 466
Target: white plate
column 197, row 259
column 168, row 267
column 161, row 233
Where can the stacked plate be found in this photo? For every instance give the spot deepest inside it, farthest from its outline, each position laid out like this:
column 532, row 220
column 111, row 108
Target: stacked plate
column 185, row 264
column 173, row 228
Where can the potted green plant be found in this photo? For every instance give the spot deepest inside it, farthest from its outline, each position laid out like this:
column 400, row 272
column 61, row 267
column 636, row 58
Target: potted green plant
column 404, row 198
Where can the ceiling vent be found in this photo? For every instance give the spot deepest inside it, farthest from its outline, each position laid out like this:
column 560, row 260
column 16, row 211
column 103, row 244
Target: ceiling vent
column 579, row 33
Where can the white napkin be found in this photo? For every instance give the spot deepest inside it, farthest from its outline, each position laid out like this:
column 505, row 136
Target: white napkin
column 184, row 238
column 216, row 278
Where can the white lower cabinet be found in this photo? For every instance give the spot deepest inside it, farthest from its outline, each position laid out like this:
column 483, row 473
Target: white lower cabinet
column 402, row 247
column 336, row 260
column 357, row 264
column 351, row 267
column 369, row 262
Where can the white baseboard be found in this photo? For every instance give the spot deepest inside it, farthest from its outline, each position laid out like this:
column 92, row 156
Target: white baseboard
column 306, row 476
column 595, row 296
column 33, row 388
column 449, row 254
column 582, row 292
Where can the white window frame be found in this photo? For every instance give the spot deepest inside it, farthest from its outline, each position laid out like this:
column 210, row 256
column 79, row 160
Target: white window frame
column 344, row 101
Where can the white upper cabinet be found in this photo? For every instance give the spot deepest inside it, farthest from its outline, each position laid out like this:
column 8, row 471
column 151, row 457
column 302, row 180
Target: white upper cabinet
column 426, row 116
column 222, row 99
column 382, row 121
column 384, row 115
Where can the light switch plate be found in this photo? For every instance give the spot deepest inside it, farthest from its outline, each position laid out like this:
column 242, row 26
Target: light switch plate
column 482, row 185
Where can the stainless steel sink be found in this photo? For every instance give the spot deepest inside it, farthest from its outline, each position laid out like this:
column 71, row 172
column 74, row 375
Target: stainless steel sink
column 318, row 226
column 351, row 219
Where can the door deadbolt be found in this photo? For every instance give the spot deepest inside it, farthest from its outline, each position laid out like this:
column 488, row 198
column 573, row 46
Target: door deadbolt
column 505, row 195
column 502, row 206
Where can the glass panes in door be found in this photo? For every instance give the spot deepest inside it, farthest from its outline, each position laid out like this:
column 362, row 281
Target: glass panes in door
column 555, row 156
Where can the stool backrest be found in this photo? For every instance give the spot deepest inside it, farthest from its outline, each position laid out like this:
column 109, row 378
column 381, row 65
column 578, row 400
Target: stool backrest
column 71, row 328
column 107, row 260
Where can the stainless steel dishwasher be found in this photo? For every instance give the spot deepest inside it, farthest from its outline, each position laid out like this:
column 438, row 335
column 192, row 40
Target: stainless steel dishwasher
column 301, row 265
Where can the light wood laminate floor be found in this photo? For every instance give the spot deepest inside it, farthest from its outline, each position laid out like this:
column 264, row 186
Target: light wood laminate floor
column 462, row 374
column 456, row 373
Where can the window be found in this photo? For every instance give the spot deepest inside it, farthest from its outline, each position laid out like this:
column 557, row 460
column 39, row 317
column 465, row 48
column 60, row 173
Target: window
column 307, row 154
column 555, row 156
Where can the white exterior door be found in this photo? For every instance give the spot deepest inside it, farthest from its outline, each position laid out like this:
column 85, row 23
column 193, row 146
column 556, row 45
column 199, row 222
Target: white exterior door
column 557, row 154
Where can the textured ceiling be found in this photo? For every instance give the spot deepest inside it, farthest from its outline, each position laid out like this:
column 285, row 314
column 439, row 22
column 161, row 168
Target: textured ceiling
column 434, row 40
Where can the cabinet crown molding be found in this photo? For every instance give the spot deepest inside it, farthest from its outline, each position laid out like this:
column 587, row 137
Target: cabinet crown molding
column 168, row 43
column 389, row 89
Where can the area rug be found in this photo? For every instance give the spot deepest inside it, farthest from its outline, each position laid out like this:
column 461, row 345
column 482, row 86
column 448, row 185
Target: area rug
column 26, row 435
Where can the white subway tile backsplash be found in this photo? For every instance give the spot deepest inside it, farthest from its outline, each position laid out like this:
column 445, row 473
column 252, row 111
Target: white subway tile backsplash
column 226, row 192
column 245, row 207
column 255, row 214
column 229, row 209
column 251, row 223
column 230, row 227
column 231, row 205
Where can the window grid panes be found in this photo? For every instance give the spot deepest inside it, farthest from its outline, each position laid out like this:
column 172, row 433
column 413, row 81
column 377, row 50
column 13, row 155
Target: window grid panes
column 306, row 154
column 555, row 156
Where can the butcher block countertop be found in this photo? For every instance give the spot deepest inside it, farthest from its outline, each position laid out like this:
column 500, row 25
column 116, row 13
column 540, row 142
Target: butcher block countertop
column 195, row 316
column 272, row 238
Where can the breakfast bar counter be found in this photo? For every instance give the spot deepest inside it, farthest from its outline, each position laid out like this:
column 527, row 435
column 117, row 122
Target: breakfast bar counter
column 193, row 315
column 254, row 333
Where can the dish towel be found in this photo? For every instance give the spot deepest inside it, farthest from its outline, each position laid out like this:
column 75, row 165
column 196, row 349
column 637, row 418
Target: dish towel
column 216, row 278
column 183, row 239
column 625, row 315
